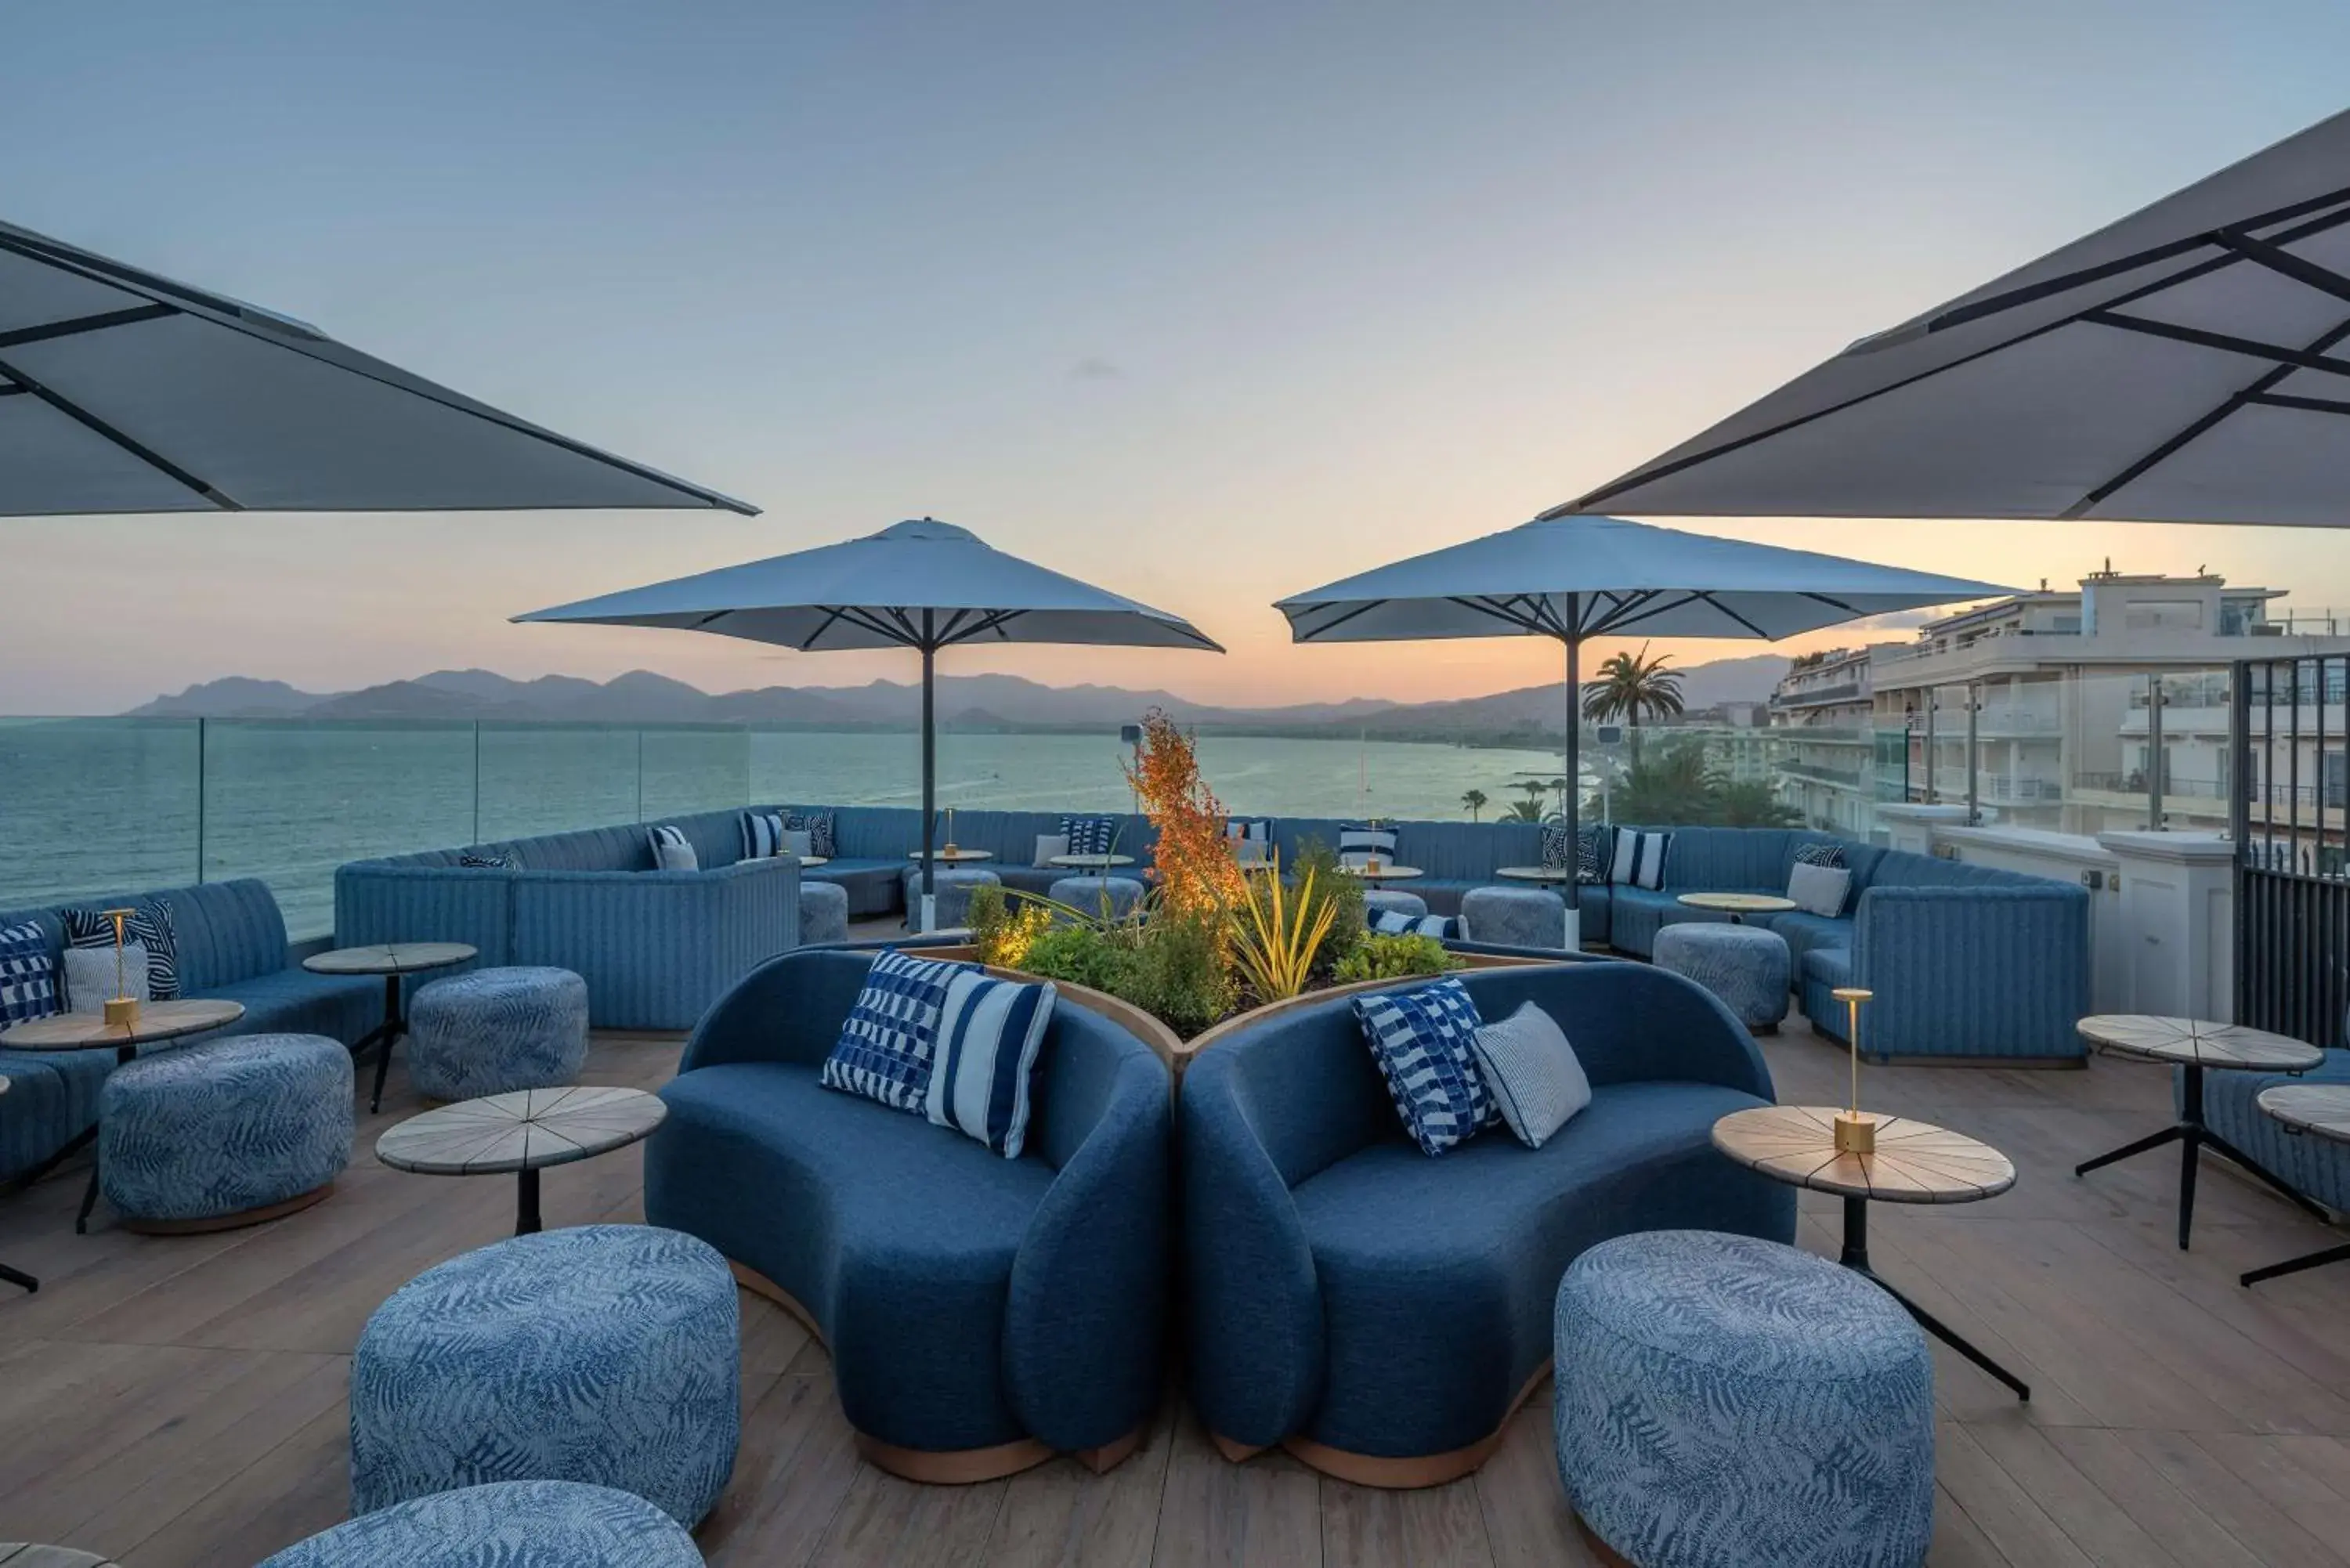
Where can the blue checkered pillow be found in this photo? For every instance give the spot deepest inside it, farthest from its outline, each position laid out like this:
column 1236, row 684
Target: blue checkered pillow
column 28, row 975
column 1425, row 1041
column 890, row 1037
column 1090, row 835
column 1396, row 923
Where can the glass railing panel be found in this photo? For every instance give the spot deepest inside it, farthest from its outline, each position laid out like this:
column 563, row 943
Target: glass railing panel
column 554, row 778
column 829, row 767
column 92, row 808
column 688, row 768
column 288, row 802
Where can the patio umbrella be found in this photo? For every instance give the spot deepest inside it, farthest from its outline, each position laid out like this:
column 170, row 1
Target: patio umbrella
column 124, row 391
column 2188, row 364
column 1573, row 579
column 924, row 585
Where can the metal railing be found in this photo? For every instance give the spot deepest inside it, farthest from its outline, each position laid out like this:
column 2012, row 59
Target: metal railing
column 2292, row 897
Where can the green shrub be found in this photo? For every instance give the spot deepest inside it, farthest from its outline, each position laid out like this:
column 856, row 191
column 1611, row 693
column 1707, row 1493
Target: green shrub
column 1082, row 955
column 1380, row 957
column 1333, row 886
column 1178, row 972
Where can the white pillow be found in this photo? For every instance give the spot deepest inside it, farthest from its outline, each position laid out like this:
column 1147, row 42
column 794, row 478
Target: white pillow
column 90, row 976
column 1049, row 844
column 1251, row 851
column 1819, row 890
column 799, row 842
column 1533, row 1072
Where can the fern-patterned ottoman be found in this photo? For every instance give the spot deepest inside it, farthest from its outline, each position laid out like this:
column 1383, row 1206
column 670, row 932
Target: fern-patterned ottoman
column 1725, row 1399
column 824, row 913
column 494, row 1031
column 1116, row 896
column 1514, row 917
column 224, row 1132
column 951, row 886
column 513, row 1524
column 1746, row 966
column 606, row 1354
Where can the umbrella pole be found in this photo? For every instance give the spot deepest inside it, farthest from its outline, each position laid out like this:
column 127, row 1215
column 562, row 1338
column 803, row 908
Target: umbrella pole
column 1574, row 790
column 930, row 780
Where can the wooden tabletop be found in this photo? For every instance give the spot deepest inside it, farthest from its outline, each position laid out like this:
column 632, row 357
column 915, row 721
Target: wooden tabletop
column 1537, row 872
column 952, row 855
column 2196, row 1042
column 524, row 1130
column 815, row 859
column 28, row 1554
column 1738, row 903
column 1915, row 1162
column 1092, row 862
column 1386, row 871
column 2321, row 1109
column 157, row 1021
column 390, row 957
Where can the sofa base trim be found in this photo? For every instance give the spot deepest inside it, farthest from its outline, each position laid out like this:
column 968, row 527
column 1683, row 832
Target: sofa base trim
column 2029, row 1063
column 236, row 1222
column 1608, row 1555
column 1395, row 1474
column 943, row 1467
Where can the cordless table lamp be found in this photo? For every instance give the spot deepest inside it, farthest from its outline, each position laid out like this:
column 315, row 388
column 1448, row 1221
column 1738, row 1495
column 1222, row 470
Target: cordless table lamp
column 1855, row 1132
column 122, row 1007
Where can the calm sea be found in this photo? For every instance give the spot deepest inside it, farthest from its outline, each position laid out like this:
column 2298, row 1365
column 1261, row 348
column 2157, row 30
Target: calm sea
column 96, row 806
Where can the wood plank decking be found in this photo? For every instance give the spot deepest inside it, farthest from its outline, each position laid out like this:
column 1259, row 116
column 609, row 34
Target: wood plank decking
column 177, row 1402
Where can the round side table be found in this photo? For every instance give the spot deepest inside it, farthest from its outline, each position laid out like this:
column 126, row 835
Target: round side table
column 2196, row 1045
column 2313, row 1110
column 520, row 1133
column 1914, row 1162
column 395, row 961
column 1738, row 906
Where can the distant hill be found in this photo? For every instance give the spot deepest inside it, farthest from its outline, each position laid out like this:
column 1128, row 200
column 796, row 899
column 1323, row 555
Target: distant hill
column 965, row 701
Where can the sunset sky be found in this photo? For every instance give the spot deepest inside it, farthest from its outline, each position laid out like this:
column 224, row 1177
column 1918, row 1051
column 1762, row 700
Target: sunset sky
column 1207, row 304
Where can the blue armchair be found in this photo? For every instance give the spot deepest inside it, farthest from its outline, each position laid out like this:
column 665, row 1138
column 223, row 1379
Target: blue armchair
column 1381, row 1312
column 982, row 1314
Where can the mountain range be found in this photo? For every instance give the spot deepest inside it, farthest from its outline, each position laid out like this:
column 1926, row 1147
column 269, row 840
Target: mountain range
column 967, row 703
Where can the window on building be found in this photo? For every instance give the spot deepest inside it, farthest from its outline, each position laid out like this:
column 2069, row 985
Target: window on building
column 2163, row 615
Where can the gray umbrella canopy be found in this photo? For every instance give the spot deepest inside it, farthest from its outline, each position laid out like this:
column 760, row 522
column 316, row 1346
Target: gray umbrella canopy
column 124, row 391
column 2189, row 364
column 1575, row 577
column 923, row 585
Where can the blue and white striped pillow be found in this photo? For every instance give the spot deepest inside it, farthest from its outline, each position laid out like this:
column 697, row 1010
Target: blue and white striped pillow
column 1090, row 835
column 1396, row 923
column 983, row 1072
column 28, row 975
column 1425, row 1041
column 1359, row 841
column 1638, row 859
column 762, row 835
column 886, row 1043
column 149, row 925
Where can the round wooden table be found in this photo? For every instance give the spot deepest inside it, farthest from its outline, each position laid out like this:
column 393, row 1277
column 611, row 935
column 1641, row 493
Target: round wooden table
column 31, row 1554
column 2196, row 1045
column 2313, row 1110
column 158, row 1021
column 1386, row 871
column 17, row 1277
column 952, row 856
column 1101, row 863
column 522, row 1133
column 1738, row 906
column 395, row 961
column 815, row 859
column 1536, row 873
column 1914, row 1162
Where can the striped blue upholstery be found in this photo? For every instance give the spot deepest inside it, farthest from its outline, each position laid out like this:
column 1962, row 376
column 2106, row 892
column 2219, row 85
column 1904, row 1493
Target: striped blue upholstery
column 225, row 1126
column 605, row 1353
column 1423, row 1040
column 2316, row 1166
column 494, row 1031
column 1514, row 917
column 1745, row 966
column 515, row 1524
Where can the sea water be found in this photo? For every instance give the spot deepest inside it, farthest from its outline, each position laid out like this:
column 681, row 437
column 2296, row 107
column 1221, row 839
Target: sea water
column 95, row 806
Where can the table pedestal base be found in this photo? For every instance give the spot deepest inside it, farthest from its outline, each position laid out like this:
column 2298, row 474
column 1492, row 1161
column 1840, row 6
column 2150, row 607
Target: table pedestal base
column 1855, row 1257
column 387, row 1034
column 527, row 1202
column 2340, row 1254
column 2190, row 1132
column 18, row 1278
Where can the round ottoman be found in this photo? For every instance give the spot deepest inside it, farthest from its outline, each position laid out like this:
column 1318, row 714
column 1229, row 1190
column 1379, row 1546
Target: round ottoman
column 824, row 912
column 952, row 887
column 1723, row 1399
column 1123, row 894
column 1514, row 917
column 516, row 1524
column 609, row 1354
column 494, row 1031
column 1745, row 966
column 1392, row 901
column 224, row 1133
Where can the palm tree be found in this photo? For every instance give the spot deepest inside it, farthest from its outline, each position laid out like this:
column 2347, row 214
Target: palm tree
column 1632, row 687
column 1474, row 800
column 1531, row 808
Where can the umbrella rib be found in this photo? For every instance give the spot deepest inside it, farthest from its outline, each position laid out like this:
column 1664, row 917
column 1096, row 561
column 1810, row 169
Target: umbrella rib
column 1620, row 608
column 987, row 622
column 1833, row 602
column 2285, row 264
column 1337, row 621
column 145, row 454
column 2295, row 401
column 2227, row 343
column 1617, row 623
column 1500, row 612
column 831, row 614
column 946, row 633
column 1733, row 615
column 81, row 323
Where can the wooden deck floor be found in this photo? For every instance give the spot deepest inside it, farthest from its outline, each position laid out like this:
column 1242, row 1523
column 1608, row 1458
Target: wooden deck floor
column 178, row 1403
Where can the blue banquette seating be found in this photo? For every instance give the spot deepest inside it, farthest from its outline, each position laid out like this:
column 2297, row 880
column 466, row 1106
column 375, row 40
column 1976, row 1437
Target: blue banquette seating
column 982, row 1314
column 232, row 944
column 1382, row 1313
column 2318, row 1166
column 655, row 947
column 872, row 843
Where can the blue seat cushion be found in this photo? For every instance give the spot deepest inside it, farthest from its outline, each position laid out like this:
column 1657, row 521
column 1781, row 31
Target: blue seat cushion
column 871, row 884
column 1804, row 931
column 1437, row 1275
column 52, row 1098
column 897, row 1237
column 296, row 1002
column 1824, row 970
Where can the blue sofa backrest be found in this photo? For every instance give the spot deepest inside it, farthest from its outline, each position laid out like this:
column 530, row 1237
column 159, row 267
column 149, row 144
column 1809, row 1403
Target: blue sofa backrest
column 227, row 932
column 1899, row 868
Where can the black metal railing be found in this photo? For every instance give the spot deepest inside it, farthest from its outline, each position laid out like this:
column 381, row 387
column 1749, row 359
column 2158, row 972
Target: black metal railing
column 2293, row 876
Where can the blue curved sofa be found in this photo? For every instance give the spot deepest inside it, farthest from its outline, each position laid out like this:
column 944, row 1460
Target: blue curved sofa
column 2316, row 1167
column 982, row 1314
column 232, row 944
column 655, row 947
column 1381, row 1312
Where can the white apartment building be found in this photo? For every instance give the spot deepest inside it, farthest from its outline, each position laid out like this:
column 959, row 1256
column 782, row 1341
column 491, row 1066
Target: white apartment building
column 2060, row 683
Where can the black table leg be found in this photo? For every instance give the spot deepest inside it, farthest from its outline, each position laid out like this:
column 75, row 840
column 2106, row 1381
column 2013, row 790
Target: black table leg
column 123, row 1055
column 527, row 1202
column 1855, row 1257
column 71, row 1147
column 387, row 1034
column 2194, row 1137
column 2340, row 1254
column 19, row 1278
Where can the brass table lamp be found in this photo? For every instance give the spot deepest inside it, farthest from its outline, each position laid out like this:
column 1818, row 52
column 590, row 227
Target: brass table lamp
column 122, row 1007
column 1856, row 1132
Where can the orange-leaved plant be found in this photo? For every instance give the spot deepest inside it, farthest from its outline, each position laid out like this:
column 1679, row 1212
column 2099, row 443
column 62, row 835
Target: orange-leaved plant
column 1198, row 873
